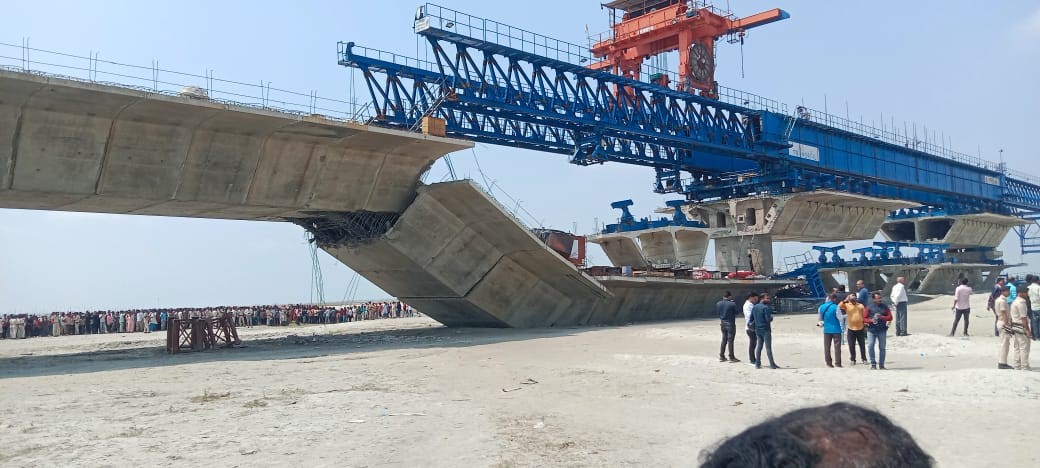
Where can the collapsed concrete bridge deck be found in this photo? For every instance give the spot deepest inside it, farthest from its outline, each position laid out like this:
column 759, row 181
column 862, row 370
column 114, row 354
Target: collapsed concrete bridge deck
column 448, row 249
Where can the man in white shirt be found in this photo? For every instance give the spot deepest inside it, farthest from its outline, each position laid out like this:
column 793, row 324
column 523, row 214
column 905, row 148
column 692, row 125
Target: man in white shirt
column 749, row 304
column 899, row 303
column 961, row 306
column 1003, row 312
column 1034, row 304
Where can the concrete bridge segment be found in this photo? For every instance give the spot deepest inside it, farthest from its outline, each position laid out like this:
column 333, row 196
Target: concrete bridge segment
column 76, row 146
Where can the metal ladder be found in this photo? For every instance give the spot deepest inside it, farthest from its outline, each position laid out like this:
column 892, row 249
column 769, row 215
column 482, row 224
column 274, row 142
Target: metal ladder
column 441, row 97
column 789, row 128
column 436, row 104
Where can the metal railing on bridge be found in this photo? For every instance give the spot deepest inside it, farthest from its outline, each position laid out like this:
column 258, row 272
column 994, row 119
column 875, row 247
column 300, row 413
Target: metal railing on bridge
column 154, row 79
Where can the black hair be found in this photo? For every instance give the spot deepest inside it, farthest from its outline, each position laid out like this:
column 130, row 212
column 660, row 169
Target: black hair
column 1005, row 288
column 839, row 434
column 727, row 294
column 964, row 281
column 877, row 294
column 752, row 295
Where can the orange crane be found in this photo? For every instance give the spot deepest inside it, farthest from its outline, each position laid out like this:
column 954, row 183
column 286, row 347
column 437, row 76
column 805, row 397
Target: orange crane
column 651, row 27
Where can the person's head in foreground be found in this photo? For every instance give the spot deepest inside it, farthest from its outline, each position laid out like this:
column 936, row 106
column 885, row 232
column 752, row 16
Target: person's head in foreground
column 836, row 435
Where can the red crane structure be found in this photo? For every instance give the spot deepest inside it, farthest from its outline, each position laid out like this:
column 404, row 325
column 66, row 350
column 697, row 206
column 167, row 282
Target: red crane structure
column 651, row 27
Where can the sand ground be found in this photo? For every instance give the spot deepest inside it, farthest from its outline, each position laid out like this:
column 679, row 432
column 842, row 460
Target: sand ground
column 411, row 393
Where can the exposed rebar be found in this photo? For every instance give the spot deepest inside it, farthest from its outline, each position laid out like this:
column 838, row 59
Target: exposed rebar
column 347, row 229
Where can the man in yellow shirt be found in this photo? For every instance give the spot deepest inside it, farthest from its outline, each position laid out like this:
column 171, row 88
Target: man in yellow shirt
column 857, row 332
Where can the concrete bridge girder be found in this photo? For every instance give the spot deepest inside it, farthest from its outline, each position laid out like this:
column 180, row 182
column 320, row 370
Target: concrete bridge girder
column 808, row 217
column 960, row 231
column 621, row 250
column 73, row 146
column 670, row 245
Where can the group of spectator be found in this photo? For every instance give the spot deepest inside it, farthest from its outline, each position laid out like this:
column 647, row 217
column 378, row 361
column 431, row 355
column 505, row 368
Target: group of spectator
column 151, row 320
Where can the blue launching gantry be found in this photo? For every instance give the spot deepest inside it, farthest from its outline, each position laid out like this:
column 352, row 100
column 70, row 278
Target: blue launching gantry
column 502, row 85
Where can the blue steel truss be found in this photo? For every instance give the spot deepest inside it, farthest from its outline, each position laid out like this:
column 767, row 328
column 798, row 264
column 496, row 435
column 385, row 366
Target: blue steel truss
column 505, row 86
column 521, row 100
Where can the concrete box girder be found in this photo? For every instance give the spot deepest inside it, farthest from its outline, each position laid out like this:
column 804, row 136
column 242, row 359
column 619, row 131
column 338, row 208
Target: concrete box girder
column 68, row 145
column 664, row 245
column 972, row 230
column 621, row 250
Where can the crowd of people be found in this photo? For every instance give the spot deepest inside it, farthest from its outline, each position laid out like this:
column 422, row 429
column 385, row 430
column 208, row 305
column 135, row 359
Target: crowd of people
column 152, row 320
column 862, row 319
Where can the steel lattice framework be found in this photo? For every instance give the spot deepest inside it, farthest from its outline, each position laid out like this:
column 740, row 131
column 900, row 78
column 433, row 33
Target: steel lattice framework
column 497, row 84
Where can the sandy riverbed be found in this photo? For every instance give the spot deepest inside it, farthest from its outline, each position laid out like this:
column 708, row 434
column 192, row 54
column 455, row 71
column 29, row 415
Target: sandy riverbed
column 410, row 393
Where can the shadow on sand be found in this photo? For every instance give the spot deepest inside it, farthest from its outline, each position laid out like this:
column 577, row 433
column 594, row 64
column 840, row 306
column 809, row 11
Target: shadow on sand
column 272, row 348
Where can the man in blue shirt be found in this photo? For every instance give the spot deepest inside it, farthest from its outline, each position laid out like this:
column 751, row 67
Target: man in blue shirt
column 862, row 293
column 762, row 317
column 830, row 320
column 727, row 310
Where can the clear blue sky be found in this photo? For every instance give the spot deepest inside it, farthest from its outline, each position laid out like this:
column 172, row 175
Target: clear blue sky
column 967, row 69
